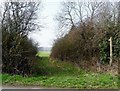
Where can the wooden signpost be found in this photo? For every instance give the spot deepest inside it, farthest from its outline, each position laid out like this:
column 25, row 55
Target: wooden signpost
column 110, row 50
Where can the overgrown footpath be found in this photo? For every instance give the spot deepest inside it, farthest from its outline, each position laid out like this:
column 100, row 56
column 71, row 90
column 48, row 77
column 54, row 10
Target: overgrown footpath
column 61, row 75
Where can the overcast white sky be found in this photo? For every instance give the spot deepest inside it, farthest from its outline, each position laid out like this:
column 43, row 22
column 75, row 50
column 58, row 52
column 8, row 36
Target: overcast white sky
column 50, row 8
column 46, row 36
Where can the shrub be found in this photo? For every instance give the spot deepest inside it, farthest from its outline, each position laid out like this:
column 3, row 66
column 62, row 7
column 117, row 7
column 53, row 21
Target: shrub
column 18, row 54
column 79, row 44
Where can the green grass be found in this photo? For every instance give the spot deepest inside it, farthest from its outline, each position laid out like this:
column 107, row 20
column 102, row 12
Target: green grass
column 43, row 54
column 62, row 74
column 64, row 81
column 0, row 78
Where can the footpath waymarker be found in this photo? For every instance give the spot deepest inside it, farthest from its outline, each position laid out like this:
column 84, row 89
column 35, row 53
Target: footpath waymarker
column 110, row 50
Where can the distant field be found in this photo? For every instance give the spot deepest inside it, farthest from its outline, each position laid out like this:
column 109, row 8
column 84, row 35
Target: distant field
column 43, row 53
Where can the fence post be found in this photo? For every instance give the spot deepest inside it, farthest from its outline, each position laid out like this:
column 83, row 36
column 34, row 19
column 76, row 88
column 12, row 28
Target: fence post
column 110, row 50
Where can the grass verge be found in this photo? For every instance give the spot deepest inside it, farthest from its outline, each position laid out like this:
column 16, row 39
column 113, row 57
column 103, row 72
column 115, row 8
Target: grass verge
column 62, row 75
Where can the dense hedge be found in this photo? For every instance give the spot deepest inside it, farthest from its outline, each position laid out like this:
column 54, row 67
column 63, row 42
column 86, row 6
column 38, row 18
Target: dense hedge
column 18, row 54
column 84, row 43
column 114, row 32
column 79, row 44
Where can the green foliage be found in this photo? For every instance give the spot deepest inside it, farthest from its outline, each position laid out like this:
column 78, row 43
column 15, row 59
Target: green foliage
column 116, row 43
column 18, row 58
column 104, row 50
column 47, row 67
column 114, row 32
column 81, row 81
column 43, row 54
column 62, row 75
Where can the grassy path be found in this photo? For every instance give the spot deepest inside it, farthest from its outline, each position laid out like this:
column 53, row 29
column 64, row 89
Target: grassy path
column 62, row 75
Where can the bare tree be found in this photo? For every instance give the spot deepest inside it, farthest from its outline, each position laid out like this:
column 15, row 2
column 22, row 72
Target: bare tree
column 17, row 21
column 76, row 13
column 118, row 12
column 66, row 18
column 96, row 22
column 20, row 14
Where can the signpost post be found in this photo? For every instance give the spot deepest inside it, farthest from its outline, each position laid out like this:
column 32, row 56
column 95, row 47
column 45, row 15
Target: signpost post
column 110, row 50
